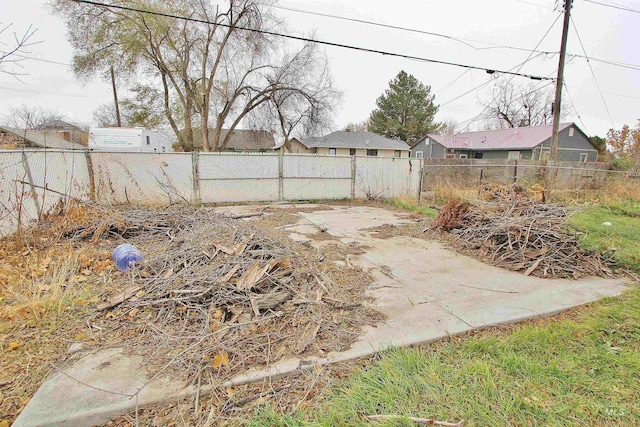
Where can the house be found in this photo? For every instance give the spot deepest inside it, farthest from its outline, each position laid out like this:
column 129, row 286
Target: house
column 297, row 147
column 527, row 143
column 13, row 138
column 250, row 141
column 349, row 143
column 66, row 130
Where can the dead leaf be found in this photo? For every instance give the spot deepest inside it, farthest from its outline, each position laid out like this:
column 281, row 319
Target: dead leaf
column 86, row 272
column 220, row 359
column 219, row 313
column 77, row 278
column 230, row 392
column 168, row 273
column 14, row 346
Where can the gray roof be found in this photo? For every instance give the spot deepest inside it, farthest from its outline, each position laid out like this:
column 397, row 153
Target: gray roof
column 240, row 139
column 344, row 139
column 44, row 139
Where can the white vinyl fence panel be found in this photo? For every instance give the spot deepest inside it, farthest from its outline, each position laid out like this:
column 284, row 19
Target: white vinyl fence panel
column 145, row 178
column 238, row 177
column 316, row 177
column 386, row 177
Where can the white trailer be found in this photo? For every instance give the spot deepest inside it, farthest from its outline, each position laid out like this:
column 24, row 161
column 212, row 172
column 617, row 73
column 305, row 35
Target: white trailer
column 128, row 139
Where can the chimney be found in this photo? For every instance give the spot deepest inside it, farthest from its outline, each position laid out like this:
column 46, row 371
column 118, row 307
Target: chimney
column 347, row 130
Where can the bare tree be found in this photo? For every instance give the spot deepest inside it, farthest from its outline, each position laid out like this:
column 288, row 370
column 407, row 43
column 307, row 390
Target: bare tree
column 12, row 52
column 210, row 75
column 362, row 126
column 29, row 117
column 509, row 106
column 305, row 98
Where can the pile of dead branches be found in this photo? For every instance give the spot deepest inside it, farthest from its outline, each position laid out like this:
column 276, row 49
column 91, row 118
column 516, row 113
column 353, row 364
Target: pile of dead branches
column 513, row 231
column 217, row 294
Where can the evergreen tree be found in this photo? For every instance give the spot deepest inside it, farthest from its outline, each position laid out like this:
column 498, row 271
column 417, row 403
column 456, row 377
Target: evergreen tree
column 405, row 111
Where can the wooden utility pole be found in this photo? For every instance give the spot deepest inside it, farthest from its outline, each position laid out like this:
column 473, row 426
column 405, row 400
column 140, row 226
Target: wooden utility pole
column 557, row 101
column 115, row 97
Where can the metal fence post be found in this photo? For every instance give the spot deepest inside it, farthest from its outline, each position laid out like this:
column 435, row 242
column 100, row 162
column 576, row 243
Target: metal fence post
column 353, row 177
column 420, row 182
column 92, row 179
column 34, row 194
column 281, row 174
column 195, row 168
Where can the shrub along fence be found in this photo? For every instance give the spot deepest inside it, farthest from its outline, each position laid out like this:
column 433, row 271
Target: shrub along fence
column 476, row 172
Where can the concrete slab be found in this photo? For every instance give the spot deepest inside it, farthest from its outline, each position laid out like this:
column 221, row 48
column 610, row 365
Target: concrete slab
column 98, row 387
column 426, row 291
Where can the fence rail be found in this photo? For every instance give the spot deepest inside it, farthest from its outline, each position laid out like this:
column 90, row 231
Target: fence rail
column 33, row 181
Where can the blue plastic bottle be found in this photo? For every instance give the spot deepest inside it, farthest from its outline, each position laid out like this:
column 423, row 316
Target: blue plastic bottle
column 125, row 257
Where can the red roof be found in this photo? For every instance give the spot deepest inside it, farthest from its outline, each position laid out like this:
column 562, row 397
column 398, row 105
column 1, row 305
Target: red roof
column 501, row 139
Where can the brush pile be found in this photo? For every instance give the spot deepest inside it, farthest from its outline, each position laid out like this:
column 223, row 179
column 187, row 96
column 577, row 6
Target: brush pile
column 217, row 294
column 513, row 231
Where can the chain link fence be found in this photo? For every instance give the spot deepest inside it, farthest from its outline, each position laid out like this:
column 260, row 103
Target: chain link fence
column 33, row 181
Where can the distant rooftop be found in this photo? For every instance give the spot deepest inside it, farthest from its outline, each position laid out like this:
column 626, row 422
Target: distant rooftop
column 345, row 139
column 43, row 139
column 501, row 139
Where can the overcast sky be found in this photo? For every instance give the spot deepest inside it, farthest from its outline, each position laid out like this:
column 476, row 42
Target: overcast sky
column 475, row 30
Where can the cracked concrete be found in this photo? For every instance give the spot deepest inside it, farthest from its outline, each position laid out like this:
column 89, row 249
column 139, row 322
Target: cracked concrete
column 426, row 291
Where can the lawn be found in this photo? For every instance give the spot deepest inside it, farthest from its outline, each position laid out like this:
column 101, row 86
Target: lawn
column 579, row 368
column 621, row 235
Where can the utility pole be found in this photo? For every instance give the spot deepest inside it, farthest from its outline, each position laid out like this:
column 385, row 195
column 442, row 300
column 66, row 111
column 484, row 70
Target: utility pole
column 115, row 97
column 559, row 80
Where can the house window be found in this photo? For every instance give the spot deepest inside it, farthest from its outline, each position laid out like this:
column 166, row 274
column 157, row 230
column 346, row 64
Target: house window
column 397, row 153
column 332, row 151
column 545, row 154
column 352, row 151
column 570, row 131
column 426, row 141
column 163, row 149
column 372, row 152
column 478, row 155
column 419, row 154
column 464, row 156
column 514, row 155
column 584, row 157
column 148, row 140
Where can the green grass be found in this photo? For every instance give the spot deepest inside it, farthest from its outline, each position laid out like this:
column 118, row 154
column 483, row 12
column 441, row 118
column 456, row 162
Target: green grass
column 575, row 370
column 622, row 235
column 578, row 369
column 413, row 206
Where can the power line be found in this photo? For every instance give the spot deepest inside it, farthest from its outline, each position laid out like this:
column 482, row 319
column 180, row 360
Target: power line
column 48, row 93
column 573, row 105
column 465, row 41
column 606, row 107
column 614, row 6
column 519, row 67
column 305, row 39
